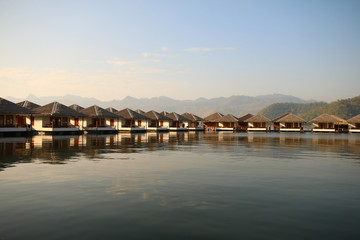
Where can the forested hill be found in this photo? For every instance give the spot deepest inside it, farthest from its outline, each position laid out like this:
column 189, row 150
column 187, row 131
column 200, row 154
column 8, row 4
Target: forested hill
column 345, row 108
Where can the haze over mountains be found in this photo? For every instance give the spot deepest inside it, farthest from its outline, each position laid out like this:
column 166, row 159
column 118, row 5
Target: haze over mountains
column 236, row 105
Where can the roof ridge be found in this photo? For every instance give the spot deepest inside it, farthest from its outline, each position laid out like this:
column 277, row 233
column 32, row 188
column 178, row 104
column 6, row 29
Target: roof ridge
column 53, row 110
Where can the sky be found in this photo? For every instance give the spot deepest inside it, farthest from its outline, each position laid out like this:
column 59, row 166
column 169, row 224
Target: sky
column 180, row 49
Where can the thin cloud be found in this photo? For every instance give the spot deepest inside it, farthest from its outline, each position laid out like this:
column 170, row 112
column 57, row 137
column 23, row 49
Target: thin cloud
column 206, row 49
column 165, row 49
column 119, row 63
column 199, row 49
column 148, row 54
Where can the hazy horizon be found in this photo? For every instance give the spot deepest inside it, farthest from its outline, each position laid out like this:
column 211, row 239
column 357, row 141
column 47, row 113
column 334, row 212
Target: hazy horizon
column 183, row 50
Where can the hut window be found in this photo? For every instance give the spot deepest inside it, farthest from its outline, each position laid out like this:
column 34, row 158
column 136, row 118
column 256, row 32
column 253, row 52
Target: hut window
column 1, row 120
column 76, row 121
column 32, row 121
column 111, row 122
column 9, row 120
column 102, row 122
column 139, row 123
column 161, row 123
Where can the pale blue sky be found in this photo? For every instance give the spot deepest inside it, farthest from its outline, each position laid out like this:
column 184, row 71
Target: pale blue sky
column 180, row 49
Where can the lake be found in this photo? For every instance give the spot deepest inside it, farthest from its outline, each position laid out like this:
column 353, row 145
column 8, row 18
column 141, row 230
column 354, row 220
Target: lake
column 181, row 186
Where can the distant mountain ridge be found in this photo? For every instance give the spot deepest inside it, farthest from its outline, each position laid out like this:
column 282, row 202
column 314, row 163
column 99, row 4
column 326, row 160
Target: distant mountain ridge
column 236, row 105
column 344, row 108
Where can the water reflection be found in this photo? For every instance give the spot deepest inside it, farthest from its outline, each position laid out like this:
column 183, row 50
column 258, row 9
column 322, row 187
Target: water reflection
column 60, row 149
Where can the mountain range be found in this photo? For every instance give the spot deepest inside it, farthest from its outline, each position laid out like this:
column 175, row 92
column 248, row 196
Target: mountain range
column 236, row 105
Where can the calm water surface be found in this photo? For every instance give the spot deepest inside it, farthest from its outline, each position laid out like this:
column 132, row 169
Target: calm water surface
column 181, row 186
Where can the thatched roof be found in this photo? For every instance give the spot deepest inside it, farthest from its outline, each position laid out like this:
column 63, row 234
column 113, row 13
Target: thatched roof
column 58, row 110
column 355, row 119
column 258, row 118
column 228, row 118
column 111, row 109
column 289, row 118
column 96, row 111
column 130, row 114
column 164, row 113
column 156, row 116
column 76, row 107
column 213, row 117
column 177, row 117
column 192, row 117
column 7, row 107
column 326, row 118
column 27, row 104
column 245, row 117
column 140, row 111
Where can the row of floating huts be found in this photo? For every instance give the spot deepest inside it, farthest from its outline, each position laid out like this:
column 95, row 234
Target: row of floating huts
column 55, row 118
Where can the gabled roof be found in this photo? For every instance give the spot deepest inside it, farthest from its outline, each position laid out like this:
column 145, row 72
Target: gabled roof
column 130, row 114
column 213, row 117
column 192, row 117
column 326, row 118
column 96, row 111
column 140, row 111
column 27, row 104
column 76, row 107
column 228, row 118
column 355, row 119
column 58, row 110
column 289, row 117
column 245, row 117
column 12, row 108
column 156, row 116
column 258, row 118
column 164, row 113
column 111, row 109
column 177, row 117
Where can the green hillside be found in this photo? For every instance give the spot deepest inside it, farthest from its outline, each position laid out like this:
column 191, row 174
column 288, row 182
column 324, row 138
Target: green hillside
column 345, row 108
column 278, row 109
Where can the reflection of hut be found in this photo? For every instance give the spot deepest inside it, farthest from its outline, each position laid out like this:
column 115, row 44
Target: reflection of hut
column 329, row 123
column 288, row 123
column 211, row 121
column 258, row 122
column 100, row 120
column 243, row 125
column 157, row 121
column 13, row 118
column 56, row 118
column 354, row 124
column 134, row 121
column 195, row 123
column 178, row 122
column 227, row 123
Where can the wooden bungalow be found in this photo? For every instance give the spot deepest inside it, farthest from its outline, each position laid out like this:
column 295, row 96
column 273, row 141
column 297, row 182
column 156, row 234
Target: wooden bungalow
column 13, row 119
column 157, row 122
column 211, row 122
column 178, row 122
column 354, row 124
column 56, row 118
column 196, row 123
column 133, row 121
column 288, row 123
column 329, row 123
column 243, row 125
column 258, row 122
column 100, row 120
column 228, row 123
